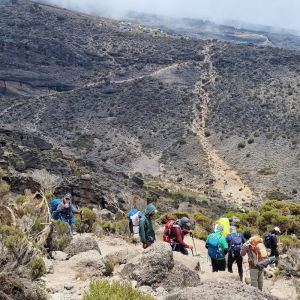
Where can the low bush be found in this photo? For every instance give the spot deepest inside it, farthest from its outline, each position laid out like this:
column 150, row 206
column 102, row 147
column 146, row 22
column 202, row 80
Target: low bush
column 107, row 226
column 122, row 227
column 38, row 268
column 89, row 217
column 61, row 237
column 242, row 145
column 200, row 235
column 266, row 171
column 106, row 290
column 4, row 188
column 109, row 267
column 288, row 242
column 277, row 195
column 203, row 221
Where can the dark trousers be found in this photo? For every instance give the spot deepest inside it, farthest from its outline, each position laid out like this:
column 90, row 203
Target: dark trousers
column 239, row 261
column 179, row 248
column 274, row 252
column 218, row 265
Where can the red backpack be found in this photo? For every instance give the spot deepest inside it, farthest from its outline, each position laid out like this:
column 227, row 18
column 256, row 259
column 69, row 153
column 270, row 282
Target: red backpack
column 167, row 231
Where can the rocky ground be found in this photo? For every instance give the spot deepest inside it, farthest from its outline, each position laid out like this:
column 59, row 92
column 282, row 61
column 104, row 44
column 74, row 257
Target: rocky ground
column 153, row 271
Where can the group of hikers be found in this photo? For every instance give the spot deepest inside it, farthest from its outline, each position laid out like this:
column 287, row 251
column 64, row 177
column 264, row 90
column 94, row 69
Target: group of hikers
column 225, row 245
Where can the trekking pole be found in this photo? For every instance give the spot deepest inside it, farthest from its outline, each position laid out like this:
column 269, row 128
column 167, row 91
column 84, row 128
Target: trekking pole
column 200, row 269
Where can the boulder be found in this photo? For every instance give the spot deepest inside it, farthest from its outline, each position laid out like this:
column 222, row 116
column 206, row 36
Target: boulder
column 59, row 255
column 89, row 263
column 82, row 243
column 290, row 263
column 49, row 266
column 155, row 267
column 220, row 290
column 121, row 257
column 105, row 215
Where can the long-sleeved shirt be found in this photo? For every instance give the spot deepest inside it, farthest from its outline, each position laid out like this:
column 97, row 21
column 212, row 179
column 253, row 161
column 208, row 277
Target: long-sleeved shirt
column 177, row 235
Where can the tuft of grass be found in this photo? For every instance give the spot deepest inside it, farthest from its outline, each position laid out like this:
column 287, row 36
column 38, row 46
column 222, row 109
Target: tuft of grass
column 106, row 290
column 38, row 268
column 241, row 144
column 109, row 267
column 4, row 188
column 267, row 171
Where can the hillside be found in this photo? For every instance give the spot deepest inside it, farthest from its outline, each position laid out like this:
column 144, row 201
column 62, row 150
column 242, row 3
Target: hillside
column 170, row 109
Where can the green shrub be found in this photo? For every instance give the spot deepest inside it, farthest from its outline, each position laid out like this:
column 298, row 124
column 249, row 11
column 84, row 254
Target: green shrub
column 242, row 145
column 2, row 173
column 4, row 188
column 288, row 242
column 61, row 237
column 122, row 227
column 203, row 221
column 294, row 209
column 277, row 195
column 206, row 133
column 109, row 267
column 200, row 235
column 38, row 268
column 106, row 290
column 253, row 230
column 266, row 171
column 37, row 225
column 107, row 226
column 251, row 140
column 20, row 199
column 89, row 217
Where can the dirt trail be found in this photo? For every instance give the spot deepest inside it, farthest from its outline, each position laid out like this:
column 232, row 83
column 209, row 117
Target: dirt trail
column 64, row 283
column 227, row 181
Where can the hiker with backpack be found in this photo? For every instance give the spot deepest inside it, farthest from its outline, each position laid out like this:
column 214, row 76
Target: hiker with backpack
column 134, row 217
column 217, row 249
column 257, row 253
column 147, row 233
column 63, row 210
column 271, row 242
column 174, row 234
column 235, row 241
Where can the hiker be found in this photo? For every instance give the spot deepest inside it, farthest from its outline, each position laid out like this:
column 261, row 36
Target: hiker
column 64, row 211
column 235, row 241
column 271, row 242
column 217, row 249
column 134, row 217
column 176, row 232
column 257, row 252
column 147, row 233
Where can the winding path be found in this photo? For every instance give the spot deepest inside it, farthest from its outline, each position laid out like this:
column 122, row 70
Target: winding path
column 227, row 181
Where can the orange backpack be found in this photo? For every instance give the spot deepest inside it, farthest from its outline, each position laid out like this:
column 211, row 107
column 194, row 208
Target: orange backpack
column 258, row 250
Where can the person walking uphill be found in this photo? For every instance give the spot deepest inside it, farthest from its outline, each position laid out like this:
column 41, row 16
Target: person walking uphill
column 147, row 233
column 217, row 249
column 257, row 252
column 235, row 241
column 271, row 242
column 178, row 231
column 64, row 210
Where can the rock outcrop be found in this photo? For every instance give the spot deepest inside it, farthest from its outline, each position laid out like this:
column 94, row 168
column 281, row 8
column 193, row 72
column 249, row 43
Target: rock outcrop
column 81, row 244
column 156, row 267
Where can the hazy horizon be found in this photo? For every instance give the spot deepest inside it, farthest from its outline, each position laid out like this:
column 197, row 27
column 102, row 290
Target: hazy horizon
column 274, row 13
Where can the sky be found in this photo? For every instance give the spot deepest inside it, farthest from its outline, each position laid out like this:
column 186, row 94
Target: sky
column 276, row 13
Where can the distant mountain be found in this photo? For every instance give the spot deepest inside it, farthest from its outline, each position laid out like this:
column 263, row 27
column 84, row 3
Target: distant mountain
column 112, row 105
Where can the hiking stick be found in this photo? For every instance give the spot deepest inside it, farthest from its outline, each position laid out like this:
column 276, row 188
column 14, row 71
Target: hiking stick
column 200, row 269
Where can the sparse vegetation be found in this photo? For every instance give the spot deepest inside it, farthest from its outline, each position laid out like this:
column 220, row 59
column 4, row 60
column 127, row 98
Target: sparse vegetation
column 38, row 268
column 106, row 290
column 267, row 171
column 242, row 145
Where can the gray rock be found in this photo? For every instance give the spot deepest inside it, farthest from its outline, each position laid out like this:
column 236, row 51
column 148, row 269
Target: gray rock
column 105, row 215
column 68, row 287
column 290, row 263
column 155, row 267
column 49, row 266
column 82, row 243
column 89, row 263
column 122, row 256
column 59, row 255
column 220, row 290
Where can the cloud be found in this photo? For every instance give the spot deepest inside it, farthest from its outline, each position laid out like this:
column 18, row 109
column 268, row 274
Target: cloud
column 277, row 13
